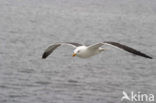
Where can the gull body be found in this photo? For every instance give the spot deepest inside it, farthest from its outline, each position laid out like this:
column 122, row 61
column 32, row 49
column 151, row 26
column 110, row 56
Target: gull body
column 84, row 52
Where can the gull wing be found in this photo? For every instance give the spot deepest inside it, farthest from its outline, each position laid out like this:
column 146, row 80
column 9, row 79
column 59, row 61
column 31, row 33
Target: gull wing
column 95, row 46
column 128, row 49
column 121, row 46
column 51, row 48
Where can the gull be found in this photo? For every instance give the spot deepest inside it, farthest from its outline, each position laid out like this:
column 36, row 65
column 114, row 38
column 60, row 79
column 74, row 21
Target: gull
column 83, row 51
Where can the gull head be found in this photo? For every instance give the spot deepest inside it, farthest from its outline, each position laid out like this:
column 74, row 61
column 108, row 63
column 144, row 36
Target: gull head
column 79, row 51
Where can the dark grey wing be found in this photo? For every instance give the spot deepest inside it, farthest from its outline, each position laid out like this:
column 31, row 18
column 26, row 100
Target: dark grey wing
column 51, row 48
column 128, row 49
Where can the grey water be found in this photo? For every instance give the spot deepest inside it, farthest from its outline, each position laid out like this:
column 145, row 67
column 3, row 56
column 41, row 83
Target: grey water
column 28, row 27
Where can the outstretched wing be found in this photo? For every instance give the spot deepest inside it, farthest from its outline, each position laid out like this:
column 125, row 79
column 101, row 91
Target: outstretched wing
column 51, row 48
column 128, row 49
column 121, row 46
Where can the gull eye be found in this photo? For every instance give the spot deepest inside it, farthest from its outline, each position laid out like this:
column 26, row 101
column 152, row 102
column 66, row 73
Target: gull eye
column 78, row 51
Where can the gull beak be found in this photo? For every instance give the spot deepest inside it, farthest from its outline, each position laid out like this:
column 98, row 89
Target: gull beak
column 74, row 55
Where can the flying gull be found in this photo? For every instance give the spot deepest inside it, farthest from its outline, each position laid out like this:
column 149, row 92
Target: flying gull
column 83, row 51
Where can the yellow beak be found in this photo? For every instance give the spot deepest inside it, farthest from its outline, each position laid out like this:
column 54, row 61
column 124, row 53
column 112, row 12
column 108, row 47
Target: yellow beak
column 74, row 55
